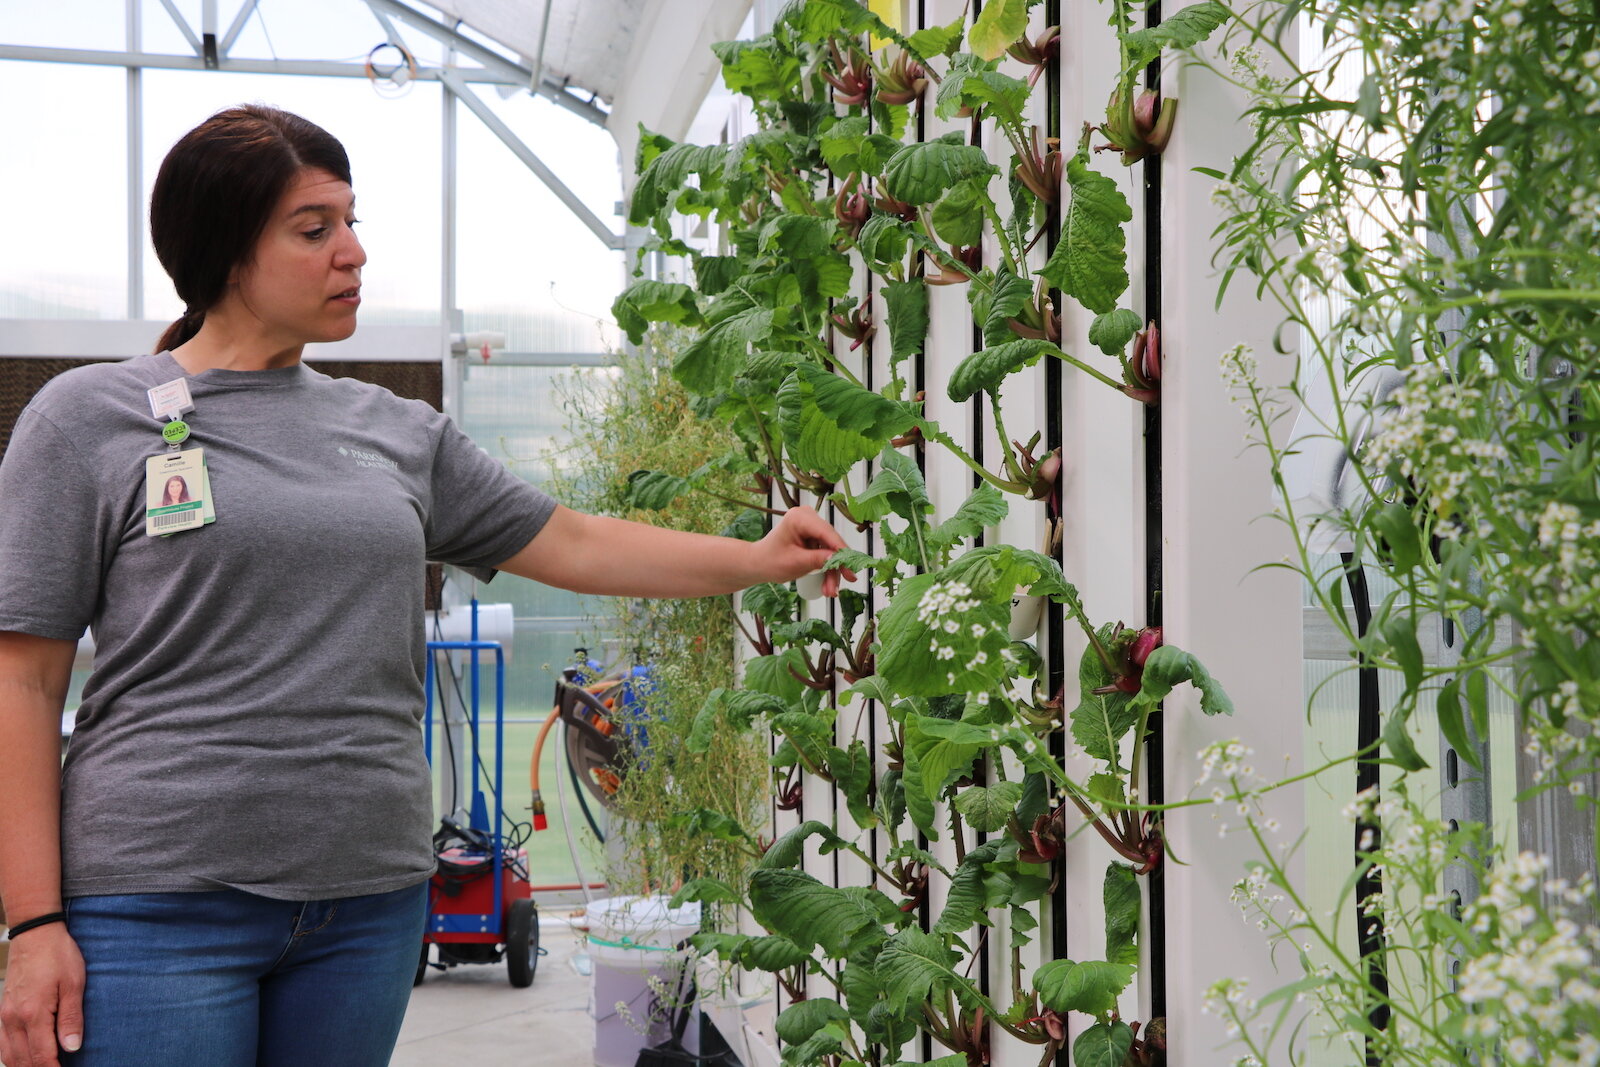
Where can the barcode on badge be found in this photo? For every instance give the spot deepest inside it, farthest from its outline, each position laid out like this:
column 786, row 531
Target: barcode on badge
column 161, row 522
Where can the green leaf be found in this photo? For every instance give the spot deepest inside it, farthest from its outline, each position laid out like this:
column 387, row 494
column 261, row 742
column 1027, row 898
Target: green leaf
column 1400, row 633
column 1393, row 522
column 811, row 735
column 770, row 674
column 965, row 903
column 995, row 308
column 914, row 965
column 799, row 907
column 1091, row 987
column 939, row 40
column 851, row 769
column 1102, row 1045
column 1022, row 924
column 647, row 301
column 789, row 849
column 986, row 369
column 1101, row 719
column 882, row 242
column 914, row 660
column 668, row 173
column 654, row 490
column 815, row 1049
column 741, row 706
column 898, row 485
column 958, row 216
column 921, row 173
column 713, row 274
column 985, row 507
column 709, row 363
column 1090, row 262
column 831, row 424
column 935, row 758
column 997, row 27
column 705, row 891
column 973, row 83
column 987, row 808
column 772, row 953
column 907, row 302
column 706, row 822
column 760, row 69
column 1169, row 665
column 1397, row 741
column 803, row 1018
column 1112, row 331
column 1182, row 29
column 1121, row 897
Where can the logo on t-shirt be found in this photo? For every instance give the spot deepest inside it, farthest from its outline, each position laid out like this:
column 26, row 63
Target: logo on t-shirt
column 363, row 458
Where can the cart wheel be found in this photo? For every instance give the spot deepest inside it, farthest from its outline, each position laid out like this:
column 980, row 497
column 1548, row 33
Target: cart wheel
column 422, row 966
column 522, row 942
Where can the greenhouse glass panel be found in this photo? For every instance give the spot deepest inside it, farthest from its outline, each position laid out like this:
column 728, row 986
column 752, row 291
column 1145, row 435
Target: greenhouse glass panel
column 67, row 248
column 100, row 25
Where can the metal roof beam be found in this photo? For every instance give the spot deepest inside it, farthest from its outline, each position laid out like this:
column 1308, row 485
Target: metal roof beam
column 486, row 115
column 183, row 26
column 314, row 67
column 246, row 9
column 491, row 59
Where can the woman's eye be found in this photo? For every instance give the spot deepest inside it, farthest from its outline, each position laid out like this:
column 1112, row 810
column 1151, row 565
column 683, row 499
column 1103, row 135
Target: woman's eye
column 316, row 234
column 352, row 223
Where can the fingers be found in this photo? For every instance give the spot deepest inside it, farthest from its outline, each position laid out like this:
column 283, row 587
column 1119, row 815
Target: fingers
column 69, row 1013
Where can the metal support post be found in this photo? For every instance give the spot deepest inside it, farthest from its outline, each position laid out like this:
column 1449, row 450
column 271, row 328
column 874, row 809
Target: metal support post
column 135, row 170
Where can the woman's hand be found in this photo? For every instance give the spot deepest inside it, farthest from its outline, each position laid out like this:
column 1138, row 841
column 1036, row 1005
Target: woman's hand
column 800, row 544
column 43, row 1003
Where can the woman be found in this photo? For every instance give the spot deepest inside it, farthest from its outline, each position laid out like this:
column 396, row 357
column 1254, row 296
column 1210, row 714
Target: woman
column 240, row 835
column 177, row 491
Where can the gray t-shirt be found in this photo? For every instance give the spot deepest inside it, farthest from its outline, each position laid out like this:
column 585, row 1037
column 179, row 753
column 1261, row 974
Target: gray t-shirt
column 252, row 717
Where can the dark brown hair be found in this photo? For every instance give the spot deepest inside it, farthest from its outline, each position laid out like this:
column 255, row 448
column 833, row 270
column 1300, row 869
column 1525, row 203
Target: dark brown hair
column 215, row 193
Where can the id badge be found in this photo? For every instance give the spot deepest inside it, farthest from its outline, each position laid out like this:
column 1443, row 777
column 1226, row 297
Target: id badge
column 175, row 492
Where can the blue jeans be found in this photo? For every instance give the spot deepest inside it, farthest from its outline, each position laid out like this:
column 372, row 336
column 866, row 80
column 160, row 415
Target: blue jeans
column 228, row 979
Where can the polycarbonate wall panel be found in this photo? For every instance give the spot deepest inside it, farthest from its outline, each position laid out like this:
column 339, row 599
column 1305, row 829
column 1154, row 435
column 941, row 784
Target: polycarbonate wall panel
column 63, row 153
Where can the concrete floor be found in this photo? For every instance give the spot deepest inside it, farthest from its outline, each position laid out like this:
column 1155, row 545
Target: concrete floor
column 471, row 1015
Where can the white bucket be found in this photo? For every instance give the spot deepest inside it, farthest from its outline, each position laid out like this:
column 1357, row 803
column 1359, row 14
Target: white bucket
column 633, row 942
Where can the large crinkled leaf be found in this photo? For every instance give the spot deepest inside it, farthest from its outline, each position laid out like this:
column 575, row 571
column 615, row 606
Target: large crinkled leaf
column 938, row 639
column 975, row 83
column 851, row 769
column 644, row 302
column 987, row 808
column 994, row 308
column 772, row 953
column 883, row 241
column 799, row 907
column 1111, row 332
column 760, row 69
column 1101, row 720
column 1169, row 665
column 935, row 757
column 713, row 274
column 654, row 490
column 1181, row 29
column 966, row 902
column 669, row 171
column 789, row 849
column 958, row 216
column 773, row 602
column 809, row 734
column 803, row 1018
column 709, row 364
column 914, row 797
column 907, row 302
column 986, row 369
column 915, row 964
column 997, row 27
column 1103, row 1045
column 1090, row 263
column 985, row 507
column 939, row 40
column 739, row 706
column 704, row 891
column 831, row 424
column 1121, row 897
column 1091, row 987
column 920, row 173
column 815, row 1049
column 897, row 487
column 771, row 674
column 849, row 147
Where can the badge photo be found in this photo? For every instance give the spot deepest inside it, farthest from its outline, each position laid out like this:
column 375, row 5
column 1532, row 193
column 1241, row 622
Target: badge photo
column 175, row 490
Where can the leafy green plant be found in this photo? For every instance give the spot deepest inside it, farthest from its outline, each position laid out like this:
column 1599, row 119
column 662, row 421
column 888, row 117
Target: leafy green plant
column 1426, row 224
column 825, row 195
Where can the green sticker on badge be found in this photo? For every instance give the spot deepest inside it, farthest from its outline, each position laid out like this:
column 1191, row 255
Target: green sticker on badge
column 175, row 432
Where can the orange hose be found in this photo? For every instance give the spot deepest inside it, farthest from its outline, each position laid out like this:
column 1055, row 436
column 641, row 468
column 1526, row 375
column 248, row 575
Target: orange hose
column 539, row 819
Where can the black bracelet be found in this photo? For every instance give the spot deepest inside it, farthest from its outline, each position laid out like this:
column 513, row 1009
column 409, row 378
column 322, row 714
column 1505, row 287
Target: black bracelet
column 43, row 920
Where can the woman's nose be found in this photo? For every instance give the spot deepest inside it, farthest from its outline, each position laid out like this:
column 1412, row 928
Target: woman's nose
column 351, row 254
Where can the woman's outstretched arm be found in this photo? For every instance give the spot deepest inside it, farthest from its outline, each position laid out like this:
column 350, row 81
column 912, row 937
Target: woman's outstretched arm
column 614, row 557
